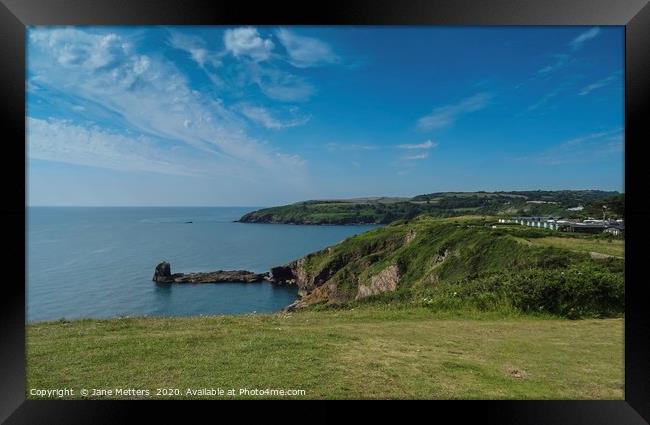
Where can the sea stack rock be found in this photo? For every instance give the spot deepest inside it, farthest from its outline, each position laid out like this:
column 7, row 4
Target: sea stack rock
column 163, row 272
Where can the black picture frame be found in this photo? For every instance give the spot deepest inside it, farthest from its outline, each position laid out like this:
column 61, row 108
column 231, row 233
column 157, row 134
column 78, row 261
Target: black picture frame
column 16, row 15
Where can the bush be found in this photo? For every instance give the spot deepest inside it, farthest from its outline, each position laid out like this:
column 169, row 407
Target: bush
column 553, row 258
column 575, row 292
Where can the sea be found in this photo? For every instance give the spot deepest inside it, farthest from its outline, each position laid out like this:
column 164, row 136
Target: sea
column 97, row 262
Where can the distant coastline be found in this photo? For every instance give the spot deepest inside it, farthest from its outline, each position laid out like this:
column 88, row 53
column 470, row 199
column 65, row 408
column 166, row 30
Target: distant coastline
column 384, row 210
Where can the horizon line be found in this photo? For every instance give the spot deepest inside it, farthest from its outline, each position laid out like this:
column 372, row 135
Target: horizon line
column 313, row 199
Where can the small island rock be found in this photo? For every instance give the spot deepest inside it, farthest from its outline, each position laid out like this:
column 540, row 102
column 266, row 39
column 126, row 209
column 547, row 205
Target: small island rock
column 163, row 274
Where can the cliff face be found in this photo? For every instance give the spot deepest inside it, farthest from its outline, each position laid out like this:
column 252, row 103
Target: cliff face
column 361, row 266
column 408, row 256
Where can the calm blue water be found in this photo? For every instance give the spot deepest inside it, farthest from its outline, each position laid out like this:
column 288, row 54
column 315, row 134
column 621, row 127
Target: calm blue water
column 98, row 262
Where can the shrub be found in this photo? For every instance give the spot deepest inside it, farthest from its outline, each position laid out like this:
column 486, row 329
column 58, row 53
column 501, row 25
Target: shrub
column 575, row 292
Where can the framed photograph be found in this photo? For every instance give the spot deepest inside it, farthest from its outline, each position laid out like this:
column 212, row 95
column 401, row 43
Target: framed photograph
column 360, row 200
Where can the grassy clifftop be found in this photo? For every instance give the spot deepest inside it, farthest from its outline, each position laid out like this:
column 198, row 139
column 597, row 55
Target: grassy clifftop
column 459, row 262
column 371, row 352
column 442, row 204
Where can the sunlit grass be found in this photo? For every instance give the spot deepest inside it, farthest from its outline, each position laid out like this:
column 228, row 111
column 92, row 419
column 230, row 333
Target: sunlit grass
column 614, row 247
column 368, row 352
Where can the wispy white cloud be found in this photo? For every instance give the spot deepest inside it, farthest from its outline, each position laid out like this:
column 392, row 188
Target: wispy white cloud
column 306, row 52
column 256, row 64
column 598, row 84
column 349, row 147
column 291, row 160
column 445, row 116
column 543, row 101
column 561, row 61
column 424, row 145
column 247, row 42
column 74, row 48
column 581, row 39
column 196, row 48
column 415, row 157
column 266, row 118
column 421, row 149
column 587, row 148
column 550, row 98
column 281, row 85
column 208, row 60
column 63, row 141
column 149, row 94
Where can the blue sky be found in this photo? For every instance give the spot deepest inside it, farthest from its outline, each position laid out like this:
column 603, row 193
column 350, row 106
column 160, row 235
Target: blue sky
column 256, row 116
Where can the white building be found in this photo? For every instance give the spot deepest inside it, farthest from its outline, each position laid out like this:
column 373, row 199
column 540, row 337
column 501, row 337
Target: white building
column 613, row 230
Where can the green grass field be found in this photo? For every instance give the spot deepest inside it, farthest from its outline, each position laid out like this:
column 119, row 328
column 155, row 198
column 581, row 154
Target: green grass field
column 375, row 352
column 613, row 247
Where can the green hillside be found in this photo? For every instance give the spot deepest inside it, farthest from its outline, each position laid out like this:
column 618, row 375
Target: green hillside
column 464, row 262
column 443, row 204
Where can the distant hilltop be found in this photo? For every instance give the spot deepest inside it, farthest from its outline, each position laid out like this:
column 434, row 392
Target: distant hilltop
column 382, row 210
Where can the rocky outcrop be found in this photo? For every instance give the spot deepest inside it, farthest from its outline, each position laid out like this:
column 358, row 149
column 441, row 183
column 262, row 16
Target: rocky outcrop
column 311, row 289
column 293, row 273
column 283, row 275
column 385, row 281
column 320, row 284
column 410, row 236
column 326, row 293
column 222, row 276
column 163, row 274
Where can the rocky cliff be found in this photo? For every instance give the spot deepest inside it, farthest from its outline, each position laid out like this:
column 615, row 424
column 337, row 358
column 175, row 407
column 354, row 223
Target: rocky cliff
column 407, row 258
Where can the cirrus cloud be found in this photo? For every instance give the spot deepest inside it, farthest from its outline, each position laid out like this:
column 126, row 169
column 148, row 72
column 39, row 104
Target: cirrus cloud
column 415, row 157
column 146, row 95
column 424, row 145
column 445, row 116
column 586, row 148
column 598, row 84
column 581, row 39
column 264, row 117
column 304, row 51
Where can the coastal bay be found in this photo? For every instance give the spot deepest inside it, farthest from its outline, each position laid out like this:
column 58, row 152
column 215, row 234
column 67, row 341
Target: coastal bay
column 88, row 262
